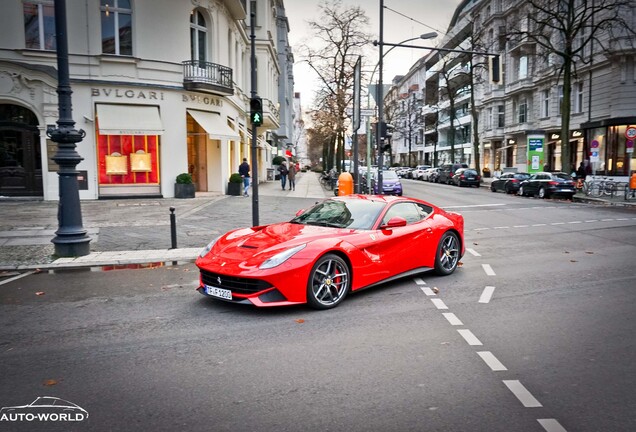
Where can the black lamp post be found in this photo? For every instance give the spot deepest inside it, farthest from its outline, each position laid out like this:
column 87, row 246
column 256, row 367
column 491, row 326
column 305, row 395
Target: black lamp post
column 71, row 238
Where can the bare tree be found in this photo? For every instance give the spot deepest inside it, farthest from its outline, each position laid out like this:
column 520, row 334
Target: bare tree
column 565, row 32
column 341, row 34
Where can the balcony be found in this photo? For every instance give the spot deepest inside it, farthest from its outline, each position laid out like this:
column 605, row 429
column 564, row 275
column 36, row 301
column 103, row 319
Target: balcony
column 207, row 77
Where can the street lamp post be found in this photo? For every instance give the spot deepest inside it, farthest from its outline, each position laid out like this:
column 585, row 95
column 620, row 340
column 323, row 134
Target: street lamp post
column 70, row 238
column 379, row 90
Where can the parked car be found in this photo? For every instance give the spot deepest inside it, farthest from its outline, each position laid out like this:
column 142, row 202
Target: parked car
column 391, row 184
column 418, row 171
column 546, row 184
column 508, row 182
column 466, row 177
column 426, row 175
column 447, row 171
column 403, row 171
column 339, row 245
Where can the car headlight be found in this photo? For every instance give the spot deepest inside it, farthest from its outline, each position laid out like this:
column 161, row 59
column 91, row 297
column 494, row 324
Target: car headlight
column 281, row 257
column 208, row 248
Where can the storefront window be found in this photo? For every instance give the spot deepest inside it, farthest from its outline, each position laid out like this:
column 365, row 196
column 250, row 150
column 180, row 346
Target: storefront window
column 128, row 159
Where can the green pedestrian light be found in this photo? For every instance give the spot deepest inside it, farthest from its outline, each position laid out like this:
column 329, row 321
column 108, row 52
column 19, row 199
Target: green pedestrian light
column 256, row 111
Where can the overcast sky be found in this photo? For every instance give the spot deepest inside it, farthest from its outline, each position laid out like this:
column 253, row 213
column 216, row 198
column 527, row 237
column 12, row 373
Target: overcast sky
column 403, row 19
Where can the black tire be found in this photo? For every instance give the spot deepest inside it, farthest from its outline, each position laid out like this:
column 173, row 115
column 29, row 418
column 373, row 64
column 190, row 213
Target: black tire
column 522, row 192
column 508, row 189
column 329, row 282
column 542, row 193
column 492, row 188
column 447, row 255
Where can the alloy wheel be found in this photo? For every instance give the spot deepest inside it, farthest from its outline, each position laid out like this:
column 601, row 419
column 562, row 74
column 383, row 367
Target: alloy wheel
column 328, row 282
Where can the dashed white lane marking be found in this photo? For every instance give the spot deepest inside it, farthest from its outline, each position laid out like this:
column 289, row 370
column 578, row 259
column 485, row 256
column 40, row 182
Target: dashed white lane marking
column 419, row 281
column 520, row 226
column 575, row 222
column 20, row 276
column 428, row 291
column 475, row 205
column 557, row 223
column 607, row 220
column 481, row 229
column 622, row 219
column 551, row 425
column 439, row 303
column 473, row 252
column 492, row 361
column 538, row 225
column 591, row 220
column 524, row 396
column 500, row 227
column 489, row 271
column 469, row 337
column 486, row 295
column 452, row 318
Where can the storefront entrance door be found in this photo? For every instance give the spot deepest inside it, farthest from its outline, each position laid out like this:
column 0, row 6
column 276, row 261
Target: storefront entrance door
column 20, row 156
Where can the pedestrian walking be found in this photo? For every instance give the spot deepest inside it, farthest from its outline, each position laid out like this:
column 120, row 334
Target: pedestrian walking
column 291, row 176
column 283, row 171
column 244, row 171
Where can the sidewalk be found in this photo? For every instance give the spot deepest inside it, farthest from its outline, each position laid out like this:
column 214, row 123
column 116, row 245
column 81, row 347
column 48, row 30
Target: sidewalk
column 130, row 232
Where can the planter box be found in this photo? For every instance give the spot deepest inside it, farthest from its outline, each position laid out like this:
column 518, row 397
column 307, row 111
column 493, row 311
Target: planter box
column 234, row 189
column 184, row 190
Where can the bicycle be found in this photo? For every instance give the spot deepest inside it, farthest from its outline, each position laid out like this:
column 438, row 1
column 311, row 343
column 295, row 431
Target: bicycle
column 605, row 186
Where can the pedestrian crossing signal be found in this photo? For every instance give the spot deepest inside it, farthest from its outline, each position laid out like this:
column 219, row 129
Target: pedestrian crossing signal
column 256, row 111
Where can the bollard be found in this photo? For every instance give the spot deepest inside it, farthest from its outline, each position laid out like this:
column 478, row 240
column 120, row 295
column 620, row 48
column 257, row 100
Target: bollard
column 173, row 228
column 345, row 184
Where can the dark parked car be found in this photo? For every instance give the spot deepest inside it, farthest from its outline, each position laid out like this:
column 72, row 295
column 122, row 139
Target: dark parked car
column 508, row 182
column 446, row 172
column 466, row 177
column 545, row 184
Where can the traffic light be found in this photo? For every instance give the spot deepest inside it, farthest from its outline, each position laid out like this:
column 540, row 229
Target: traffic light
column 386, row 130
column 494, row 66
column 256, row 111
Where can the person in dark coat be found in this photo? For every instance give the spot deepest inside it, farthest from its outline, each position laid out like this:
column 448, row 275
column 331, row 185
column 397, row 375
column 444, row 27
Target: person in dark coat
column 244, row 171
column 283, row 171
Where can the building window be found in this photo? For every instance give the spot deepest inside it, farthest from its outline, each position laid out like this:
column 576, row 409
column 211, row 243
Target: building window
column 545, row 103
column 198, row 37
column 523, row 67
column 39, row 25
column 523, row 110
column 116, row 27
column 489, row 119
column 578, row 97
column 501, row 116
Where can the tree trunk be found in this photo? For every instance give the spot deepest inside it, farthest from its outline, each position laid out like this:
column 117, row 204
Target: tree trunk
column 566, row 107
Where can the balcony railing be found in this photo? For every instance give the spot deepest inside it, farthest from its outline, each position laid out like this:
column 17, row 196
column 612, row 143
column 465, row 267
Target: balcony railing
column 206, row 76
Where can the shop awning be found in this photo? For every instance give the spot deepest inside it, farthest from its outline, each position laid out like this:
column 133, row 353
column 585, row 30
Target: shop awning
column 128, row 120
column 214, row 125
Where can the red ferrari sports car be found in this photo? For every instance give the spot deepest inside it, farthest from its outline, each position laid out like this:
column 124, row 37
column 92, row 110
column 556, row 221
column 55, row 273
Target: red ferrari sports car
column 342, row 244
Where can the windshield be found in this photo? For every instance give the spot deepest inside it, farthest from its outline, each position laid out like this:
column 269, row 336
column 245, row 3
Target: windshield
column 354, row 214
column 389, row 175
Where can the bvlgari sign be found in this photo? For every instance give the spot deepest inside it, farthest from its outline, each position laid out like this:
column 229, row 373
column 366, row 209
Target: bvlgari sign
column 119, row 93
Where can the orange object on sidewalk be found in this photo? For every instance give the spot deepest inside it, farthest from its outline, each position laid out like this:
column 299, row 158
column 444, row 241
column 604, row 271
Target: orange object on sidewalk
column 345, row 184
column 632, row 181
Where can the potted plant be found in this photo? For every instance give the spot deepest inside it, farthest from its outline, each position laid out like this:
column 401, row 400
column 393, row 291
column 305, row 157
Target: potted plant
column 235, row 184
column 184, row 186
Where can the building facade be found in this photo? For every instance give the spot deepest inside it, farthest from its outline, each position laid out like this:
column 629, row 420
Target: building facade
column 519, row 119
column 160, row 88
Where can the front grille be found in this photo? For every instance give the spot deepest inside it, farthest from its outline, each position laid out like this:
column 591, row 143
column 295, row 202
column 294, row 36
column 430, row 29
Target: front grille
column 235, row 284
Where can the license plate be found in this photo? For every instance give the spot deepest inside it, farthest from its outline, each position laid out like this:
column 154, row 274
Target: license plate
column 218, row 292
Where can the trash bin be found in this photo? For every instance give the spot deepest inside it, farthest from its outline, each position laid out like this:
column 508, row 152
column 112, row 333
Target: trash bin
column 345, row 184
column 270, row 174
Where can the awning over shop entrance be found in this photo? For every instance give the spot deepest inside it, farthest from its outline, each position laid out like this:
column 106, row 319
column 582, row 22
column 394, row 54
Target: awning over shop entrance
column 128, row 120
column 214, row 125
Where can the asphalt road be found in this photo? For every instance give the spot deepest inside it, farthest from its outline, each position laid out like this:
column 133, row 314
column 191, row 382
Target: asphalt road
column 534, row 332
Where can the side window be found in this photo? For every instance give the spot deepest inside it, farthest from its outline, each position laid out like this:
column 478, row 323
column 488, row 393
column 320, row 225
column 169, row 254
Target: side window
column 408, row 211
column 116, row 27
column 39, row 25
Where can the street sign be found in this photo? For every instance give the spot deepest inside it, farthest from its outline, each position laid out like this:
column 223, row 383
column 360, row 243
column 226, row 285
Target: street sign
column 630, row 132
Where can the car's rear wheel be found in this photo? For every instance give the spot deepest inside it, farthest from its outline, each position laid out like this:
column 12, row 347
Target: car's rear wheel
column 328, row 283
column 492, row 188
column 447, row 256
column 542, row 193
column 522, row 191
column 509, row 189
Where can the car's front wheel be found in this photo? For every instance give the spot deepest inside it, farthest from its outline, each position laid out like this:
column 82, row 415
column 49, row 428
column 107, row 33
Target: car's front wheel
column 447, row 256
column 328, row 283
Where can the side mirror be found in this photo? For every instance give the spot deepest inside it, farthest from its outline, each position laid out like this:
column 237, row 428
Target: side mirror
column 395, row 221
